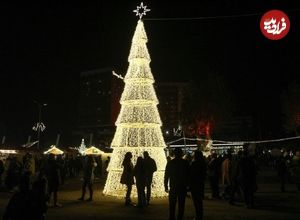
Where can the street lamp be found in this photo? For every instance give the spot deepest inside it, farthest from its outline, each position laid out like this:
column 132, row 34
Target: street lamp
column 39, row 126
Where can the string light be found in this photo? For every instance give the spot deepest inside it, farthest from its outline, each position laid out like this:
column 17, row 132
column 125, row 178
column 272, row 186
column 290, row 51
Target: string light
column 236, row 142
column 139, row 123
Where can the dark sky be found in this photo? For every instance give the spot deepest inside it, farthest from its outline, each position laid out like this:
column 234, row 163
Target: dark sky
column 45, row 46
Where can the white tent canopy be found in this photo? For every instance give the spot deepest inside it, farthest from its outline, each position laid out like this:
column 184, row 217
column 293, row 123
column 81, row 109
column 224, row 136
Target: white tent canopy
column 54, row 150
column 93, row 151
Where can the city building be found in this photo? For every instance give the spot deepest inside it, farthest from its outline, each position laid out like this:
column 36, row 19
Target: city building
column 98, row 104
column 170, row 96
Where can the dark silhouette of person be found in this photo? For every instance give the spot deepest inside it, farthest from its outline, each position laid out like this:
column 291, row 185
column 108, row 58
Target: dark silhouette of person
column 140, row 181
column 176, row 176
column 127, row 177
column 246, row 177
column 150, row 168
column 62, row 168
column 39, row 191
column 20, row 205
column 1, row 171
column 13, row 173
column 99, row 167
column 282, row 171
column 53, row 178
column 214, row 174
column 197, row 176
column 106, row 165
column 226, row 167
column 235, row 185
column 88, row 176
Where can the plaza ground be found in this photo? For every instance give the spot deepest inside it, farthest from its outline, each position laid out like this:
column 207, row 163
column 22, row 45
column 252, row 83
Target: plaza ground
column 271, row 204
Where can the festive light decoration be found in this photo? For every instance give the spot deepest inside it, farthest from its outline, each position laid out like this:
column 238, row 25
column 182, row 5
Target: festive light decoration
column 236, row 142
column 138, row 124
column 54, row 150
column 141, row 10
column 93, row 151
column 82, row 147
column 39, row 126
column 4, row 151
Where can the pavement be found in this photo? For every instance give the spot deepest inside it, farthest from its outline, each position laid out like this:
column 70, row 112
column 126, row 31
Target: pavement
column 270, row 204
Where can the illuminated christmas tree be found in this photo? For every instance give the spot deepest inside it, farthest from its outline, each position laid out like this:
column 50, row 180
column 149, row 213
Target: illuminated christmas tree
column 82, row 147
column 138, row 124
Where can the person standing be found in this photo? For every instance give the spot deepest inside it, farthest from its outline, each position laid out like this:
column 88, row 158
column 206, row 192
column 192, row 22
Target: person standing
column 140, row 179
column 1, row 171
column 150, row 168
column 53, row 178
column 176, row 176
column 106, row 165
column 197, row 176
column 20, row 205
column 247, row 171
column 214, row 174
column 282, row 170
column 127, row 176
column 39, row 194
column 226, row 167
column 88, row 177
column 236, row 188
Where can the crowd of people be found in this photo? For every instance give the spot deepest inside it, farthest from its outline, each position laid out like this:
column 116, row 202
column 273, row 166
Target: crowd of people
column 35, row 180
column 230, row 177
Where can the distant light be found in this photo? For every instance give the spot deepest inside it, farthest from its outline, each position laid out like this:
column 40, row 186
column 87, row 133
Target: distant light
column 8, row 151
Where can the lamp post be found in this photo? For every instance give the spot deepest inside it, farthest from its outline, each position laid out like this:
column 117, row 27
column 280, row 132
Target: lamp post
column 39, row 125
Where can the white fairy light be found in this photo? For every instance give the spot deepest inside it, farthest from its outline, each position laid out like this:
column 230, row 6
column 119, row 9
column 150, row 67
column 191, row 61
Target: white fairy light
column 82, row 147
column 138, row 124
column 39, row 126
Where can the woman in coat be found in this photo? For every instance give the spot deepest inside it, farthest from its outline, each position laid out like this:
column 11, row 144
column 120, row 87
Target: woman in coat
column 127, row 176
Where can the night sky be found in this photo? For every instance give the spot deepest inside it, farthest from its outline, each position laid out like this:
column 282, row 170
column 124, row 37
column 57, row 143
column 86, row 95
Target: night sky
column 45, row 46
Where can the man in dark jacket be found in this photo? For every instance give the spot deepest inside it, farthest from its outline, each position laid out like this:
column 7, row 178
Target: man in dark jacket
column 197, row 176
column 176, row 175
column 246, row 177
column 88, row 176
column 53, row 178
column 150, row 168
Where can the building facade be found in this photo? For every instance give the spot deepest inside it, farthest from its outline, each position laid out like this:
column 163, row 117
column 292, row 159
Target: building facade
column 98, row 104
column 170, row 96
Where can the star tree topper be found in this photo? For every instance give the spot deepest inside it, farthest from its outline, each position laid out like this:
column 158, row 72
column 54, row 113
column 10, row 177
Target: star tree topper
column 141, row 10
